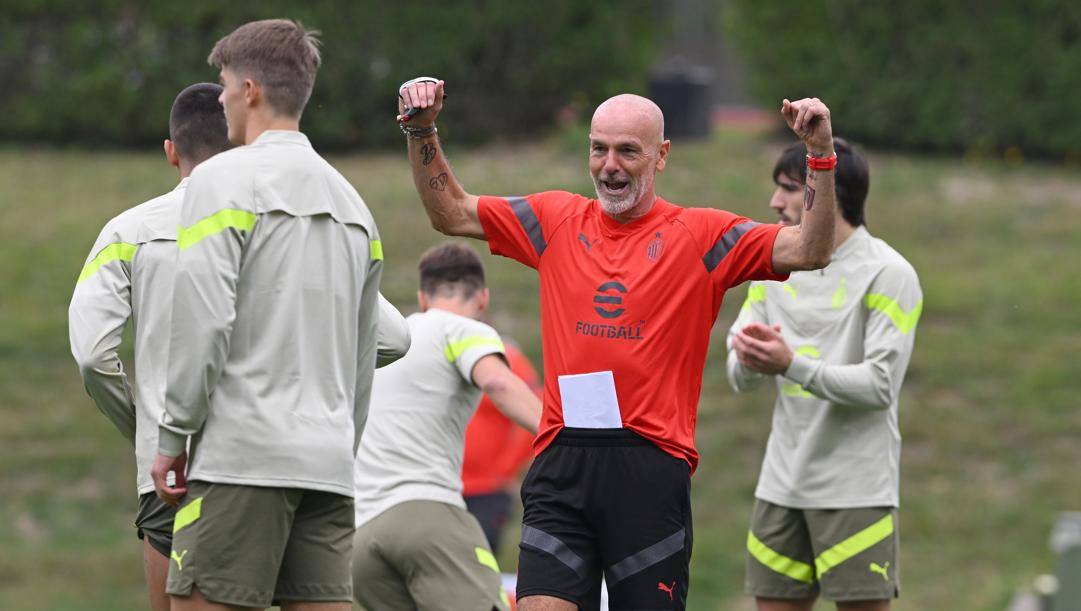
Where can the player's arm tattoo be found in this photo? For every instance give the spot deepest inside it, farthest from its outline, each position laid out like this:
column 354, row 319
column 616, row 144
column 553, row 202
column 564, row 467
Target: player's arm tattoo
column 809, row 192
column 438, row 183
column 427, row 153
column 808, row 197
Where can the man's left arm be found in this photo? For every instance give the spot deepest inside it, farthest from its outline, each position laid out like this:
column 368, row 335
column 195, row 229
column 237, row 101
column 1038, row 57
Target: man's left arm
column 100, row 308
column 809, row 245
column 892, row 308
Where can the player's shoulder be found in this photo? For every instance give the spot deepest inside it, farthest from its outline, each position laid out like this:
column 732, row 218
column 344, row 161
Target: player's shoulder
column 166, row 201
column 556, row 197
column 124, row 227
column 161, row 216
column 457, row 325
column 558, row 202
column 888, row 260
column 708, row 225
column 702, row 213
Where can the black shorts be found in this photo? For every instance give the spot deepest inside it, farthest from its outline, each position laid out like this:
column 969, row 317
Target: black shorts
column 606, row 501
column 492, row 511
column 154, row 522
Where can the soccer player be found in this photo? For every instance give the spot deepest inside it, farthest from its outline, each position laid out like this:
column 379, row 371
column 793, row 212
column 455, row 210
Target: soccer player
column 630, row 285
column 496, row 452
column 836, row 343
column 272, row 347
column 416, row 546
column 129, row 274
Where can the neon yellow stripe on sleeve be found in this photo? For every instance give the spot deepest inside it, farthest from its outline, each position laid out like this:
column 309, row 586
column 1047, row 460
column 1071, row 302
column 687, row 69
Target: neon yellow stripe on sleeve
column 755, row 294
column 376, row 247
column 188, row 514
column 486, row 558
column 241, row 220
column 456, row 349
column 855, row 544
column 904, row 321
column 117, row 251
column 800, row 571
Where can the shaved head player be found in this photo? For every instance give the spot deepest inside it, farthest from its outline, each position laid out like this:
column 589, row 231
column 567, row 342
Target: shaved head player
column 630, row 286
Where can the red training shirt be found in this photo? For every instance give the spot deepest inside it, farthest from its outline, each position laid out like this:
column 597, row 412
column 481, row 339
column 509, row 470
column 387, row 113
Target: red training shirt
column 496, row 449
column 637, row 299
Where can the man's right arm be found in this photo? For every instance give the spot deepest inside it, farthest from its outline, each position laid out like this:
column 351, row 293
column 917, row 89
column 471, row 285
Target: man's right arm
column 450, row 208
column 507, row 391
column 210, row 244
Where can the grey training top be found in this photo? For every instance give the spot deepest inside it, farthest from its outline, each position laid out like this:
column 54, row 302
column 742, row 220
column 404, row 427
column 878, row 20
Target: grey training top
column 129, row 274
column 272, row 342
column 835, row 442
column 413, row 442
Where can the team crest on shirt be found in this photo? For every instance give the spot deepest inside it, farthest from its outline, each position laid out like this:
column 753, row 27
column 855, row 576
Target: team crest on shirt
column 655, row 248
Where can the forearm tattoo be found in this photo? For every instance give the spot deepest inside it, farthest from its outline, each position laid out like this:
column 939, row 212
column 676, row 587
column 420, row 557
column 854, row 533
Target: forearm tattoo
column 427, row 153
column 809, row 192
column 438, row 183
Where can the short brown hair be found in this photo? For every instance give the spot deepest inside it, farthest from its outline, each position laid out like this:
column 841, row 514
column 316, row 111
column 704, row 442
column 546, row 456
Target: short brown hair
column 451, row 269
column 280, row 54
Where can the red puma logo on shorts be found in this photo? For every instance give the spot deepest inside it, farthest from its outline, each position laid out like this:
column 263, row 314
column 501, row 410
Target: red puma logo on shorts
column 668, row 589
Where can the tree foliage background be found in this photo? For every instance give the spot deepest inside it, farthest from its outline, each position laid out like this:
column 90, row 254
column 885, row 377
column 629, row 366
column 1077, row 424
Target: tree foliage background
column 975, row 76
column 106, row 71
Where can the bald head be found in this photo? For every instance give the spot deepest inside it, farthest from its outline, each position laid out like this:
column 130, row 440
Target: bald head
column 632, row 115
column 626, row 150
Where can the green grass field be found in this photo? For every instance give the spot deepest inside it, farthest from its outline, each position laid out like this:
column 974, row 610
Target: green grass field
column 990, row 409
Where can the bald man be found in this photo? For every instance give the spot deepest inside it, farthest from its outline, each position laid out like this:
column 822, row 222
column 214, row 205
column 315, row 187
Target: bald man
column 630, row 286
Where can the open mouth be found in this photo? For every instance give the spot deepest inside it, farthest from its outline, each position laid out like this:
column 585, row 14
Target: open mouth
column 615, row 187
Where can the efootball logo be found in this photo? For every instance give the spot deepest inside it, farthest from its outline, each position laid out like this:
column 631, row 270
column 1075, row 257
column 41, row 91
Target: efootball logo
column 609, row 299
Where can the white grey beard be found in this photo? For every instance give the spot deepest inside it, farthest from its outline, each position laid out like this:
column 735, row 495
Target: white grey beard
column 617, row 206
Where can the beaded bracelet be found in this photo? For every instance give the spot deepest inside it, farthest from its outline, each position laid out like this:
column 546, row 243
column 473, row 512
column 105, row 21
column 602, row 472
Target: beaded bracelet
column 417, row 133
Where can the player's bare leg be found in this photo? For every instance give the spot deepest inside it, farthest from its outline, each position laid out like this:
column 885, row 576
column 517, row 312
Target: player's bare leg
column 785, row 604
column 156, row 569
column 545, row 603
column 198, row 602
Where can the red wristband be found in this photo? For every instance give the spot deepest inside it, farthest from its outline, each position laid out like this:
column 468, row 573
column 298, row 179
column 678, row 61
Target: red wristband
column 821, row 163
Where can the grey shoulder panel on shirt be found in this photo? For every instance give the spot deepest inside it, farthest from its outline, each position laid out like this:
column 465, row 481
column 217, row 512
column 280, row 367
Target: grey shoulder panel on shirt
column 161, row 218
column 292, row 180
column 725, row 244
column 121, row 229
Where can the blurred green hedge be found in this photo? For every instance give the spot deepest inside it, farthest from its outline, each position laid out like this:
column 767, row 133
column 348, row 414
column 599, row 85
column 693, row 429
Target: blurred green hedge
column 106, row 71
column 984, row 77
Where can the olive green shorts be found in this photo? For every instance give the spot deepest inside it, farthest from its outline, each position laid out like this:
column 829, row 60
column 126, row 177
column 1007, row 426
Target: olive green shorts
column 253, row 546
column 425, row 555
column 840, row 554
